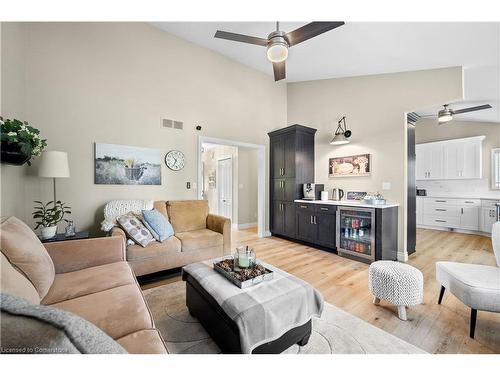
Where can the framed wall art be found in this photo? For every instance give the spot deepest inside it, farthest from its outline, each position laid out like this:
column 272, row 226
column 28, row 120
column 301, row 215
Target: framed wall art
column 350, row 166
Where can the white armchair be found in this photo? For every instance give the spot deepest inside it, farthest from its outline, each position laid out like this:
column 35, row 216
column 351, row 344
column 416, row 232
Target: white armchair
column 477, row 286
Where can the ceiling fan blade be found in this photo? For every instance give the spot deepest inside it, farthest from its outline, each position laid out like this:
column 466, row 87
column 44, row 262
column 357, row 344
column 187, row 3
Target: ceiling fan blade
column 279, row 71
column 310, row 31
column 471, row 109
column 241, row 38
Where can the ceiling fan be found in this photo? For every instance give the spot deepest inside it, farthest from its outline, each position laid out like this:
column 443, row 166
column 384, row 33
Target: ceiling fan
column 278, row 42
column 446, row 114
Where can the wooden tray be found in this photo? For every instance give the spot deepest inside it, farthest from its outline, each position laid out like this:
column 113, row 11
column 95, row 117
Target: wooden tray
column 269, row 275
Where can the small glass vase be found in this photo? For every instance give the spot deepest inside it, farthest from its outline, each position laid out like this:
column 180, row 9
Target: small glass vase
column 70, row 229
column 244, row 258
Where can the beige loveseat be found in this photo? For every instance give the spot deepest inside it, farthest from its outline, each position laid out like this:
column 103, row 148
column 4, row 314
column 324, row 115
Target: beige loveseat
column 89, row 278
column 198, row 236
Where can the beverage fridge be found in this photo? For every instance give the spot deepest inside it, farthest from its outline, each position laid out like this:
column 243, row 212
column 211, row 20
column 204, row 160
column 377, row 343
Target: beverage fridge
column 356, row 232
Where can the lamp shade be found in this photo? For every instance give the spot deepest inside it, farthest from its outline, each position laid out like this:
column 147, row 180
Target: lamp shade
column 339, row 139
column 54, row 164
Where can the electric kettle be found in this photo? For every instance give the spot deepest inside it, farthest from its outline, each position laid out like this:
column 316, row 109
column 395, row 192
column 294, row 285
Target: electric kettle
column 337, row 194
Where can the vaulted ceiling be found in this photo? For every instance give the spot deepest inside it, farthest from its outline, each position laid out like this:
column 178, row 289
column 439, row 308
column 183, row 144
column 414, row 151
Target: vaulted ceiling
column 364, row 48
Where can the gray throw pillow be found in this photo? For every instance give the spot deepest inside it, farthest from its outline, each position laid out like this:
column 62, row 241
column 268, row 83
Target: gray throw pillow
column 38, row 329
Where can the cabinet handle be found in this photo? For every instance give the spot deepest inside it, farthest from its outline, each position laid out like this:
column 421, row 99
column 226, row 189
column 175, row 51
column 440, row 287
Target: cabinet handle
column 315, row 220
column 440, row 221
column 469, row 202
column 283, row 171
column 440, row 209
column 302, row 206
column 462, row 210
column 323, row 209
column 440, row 201
column 282, row 206
column 312, row 220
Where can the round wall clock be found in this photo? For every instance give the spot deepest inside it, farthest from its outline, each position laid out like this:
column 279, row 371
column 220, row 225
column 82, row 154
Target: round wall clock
column 175, row 160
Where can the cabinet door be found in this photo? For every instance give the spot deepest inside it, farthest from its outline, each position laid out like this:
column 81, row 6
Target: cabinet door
column 469, row 218
column 277, row 219
column 278, row 189
column 288, row 188
column 434, row 161
column 304, row 225
column 325, row 230
column 289, row 155
column 277, row 156
column 487, row 219
column 419, row 162
column 289, row 219
column 420, row 211
column 470, row 159
column 453, row 160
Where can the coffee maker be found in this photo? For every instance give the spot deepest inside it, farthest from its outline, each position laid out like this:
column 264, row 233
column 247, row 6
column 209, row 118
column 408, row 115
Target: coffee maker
column 312, row 191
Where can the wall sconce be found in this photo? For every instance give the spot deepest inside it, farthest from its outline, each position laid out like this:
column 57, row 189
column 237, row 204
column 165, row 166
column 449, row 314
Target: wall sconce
column 342, row 135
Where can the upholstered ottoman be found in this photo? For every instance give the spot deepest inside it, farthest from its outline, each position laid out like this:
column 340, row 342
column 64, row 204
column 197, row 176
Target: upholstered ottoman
column 397, row 283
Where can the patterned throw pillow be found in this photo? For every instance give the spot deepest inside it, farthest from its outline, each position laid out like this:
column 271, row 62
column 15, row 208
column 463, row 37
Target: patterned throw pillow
column 135, row 229
column 158, row 223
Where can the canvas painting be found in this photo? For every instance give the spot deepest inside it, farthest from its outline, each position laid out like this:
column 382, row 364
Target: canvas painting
column 349, row 166
column 127, row 165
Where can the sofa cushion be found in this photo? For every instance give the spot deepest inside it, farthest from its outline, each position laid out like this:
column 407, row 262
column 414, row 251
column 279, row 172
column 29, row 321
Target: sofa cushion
column 27, row 328
column 118, row 311
column 146, row 341
column 135, row 229
column 188, row 215
column 162, row 207
column 200, row 239
column 158, row 223
column 25, row 252
column 155, row 249
column 15, row 283
column 88, row 280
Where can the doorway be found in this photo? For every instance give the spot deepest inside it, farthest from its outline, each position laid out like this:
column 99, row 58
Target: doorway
column 225, row 187
column 247, row 197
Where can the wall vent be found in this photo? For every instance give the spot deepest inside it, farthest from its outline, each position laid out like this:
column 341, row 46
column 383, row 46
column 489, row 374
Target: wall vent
column 166, row 123
column 178, row 125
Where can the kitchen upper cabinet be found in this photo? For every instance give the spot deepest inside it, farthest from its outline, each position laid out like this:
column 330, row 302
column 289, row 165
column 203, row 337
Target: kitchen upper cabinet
column 429, row 161
column 449, row 160
column 463, row 158
column 283, row 155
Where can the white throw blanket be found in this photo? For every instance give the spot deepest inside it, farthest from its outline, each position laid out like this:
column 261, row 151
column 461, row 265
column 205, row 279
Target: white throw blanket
column 263, row 312
column 120, row 207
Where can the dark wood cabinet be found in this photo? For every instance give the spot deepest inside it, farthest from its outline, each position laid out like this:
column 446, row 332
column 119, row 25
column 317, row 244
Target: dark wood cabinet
column 291, row 165
column 316, row 224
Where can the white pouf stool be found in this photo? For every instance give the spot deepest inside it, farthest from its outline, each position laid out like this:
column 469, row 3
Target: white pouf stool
column 397, row 283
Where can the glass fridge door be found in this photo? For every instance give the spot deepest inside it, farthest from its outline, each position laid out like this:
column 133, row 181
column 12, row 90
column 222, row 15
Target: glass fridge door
column 356, row 231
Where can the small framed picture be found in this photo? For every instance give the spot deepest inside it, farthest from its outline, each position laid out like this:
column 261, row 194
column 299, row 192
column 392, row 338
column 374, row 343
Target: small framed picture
column 350, row 166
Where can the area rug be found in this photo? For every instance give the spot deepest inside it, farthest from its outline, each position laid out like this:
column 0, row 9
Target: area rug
column 336, row 332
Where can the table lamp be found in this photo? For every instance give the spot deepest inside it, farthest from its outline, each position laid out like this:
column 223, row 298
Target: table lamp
column 54, row 164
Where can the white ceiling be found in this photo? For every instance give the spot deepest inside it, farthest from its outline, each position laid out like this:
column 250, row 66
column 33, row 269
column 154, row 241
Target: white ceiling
column 364, row 48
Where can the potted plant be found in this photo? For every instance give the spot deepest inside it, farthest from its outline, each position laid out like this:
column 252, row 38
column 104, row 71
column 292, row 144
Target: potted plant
column 48, row 215
column 20, row 142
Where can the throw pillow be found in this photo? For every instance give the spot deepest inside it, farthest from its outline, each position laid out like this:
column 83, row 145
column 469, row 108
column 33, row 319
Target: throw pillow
column 158, row 223
column 135, row 229
column 38, row 329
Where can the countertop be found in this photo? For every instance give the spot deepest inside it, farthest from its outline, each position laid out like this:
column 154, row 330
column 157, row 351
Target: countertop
column 460, row 197
column 348, row 203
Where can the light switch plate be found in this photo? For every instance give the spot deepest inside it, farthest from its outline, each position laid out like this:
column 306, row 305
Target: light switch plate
column 386, row 186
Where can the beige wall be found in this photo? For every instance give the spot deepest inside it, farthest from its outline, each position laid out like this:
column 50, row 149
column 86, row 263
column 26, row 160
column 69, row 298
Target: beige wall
column 247, row 190
column 427, row 130
column 111, row 82
column 375, row 108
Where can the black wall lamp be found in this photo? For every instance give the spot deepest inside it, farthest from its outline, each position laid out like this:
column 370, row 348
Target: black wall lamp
column 342, row 134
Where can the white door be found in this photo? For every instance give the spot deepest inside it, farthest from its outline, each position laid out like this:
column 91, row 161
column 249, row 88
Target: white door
column 419, row 162
column 225, row 187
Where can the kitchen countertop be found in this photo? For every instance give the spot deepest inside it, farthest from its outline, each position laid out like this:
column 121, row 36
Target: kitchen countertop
column 348, row 203
column 459, row 197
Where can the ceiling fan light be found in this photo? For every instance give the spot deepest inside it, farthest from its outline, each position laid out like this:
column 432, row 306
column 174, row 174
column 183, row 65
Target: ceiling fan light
column 277, row 51
column 339, row 139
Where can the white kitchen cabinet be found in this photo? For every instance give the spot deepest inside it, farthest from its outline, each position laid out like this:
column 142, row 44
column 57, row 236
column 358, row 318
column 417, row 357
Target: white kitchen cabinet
column 449, row 160
column 429, row 161
column 469, row 218
column 420, row 211
column 462, row 158
column 452, row 213
column 488, row 215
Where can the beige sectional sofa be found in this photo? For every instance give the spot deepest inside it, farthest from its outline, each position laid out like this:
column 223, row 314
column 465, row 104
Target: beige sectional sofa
column 89, row 278
column 198, row 236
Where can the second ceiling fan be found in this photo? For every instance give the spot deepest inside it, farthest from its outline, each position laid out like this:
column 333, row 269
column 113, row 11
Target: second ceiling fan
column 278, row 42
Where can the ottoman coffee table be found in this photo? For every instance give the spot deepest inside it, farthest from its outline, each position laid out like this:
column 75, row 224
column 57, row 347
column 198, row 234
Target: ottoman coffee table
column 266, row 318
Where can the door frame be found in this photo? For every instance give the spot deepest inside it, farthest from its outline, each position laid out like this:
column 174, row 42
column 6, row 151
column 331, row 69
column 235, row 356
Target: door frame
column 262, row 231
column 226, row 157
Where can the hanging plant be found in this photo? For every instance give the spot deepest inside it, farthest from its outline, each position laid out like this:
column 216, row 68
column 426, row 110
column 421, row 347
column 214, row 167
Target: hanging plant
column 20, row 142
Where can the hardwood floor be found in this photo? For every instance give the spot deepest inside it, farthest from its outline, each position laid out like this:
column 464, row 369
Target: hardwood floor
column 344, row 283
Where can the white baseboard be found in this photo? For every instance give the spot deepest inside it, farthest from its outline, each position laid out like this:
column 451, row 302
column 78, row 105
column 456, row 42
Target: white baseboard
column 444, row 229
column 267, row 233
column 246, row 225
